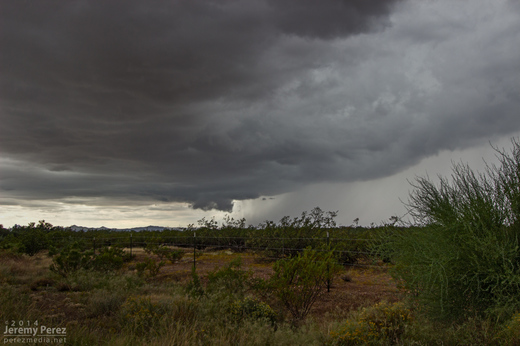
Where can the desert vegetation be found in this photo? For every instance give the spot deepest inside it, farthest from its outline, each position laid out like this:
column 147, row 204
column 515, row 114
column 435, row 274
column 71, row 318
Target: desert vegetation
column 450, row 277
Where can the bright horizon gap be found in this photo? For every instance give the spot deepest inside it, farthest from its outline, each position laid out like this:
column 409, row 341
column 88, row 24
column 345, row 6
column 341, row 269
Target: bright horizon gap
column 376, row 207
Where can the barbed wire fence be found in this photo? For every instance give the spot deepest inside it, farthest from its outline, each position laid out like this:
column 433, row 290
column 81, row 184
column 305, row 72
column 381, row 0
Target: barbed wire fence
column 270, row 248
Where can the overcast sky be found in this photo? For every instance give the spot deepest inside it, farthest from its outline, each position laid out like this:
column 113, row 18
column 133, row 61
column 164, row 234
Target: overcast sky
column 129, row 113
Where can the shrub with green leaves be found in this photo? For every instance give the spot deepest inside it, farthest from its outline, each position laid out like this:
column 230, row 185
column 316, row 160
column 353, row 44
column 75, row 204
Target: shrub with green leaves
column 164, row 252
column 232, row 278
column 251, row 308
column 383, row 323
column 298, row 282
column 32, row 241
column 28, row 239
column 463, row 258
column 194, row 287
column 290, row 235
column 140, row 315
column 70, row 259
column 511, row 330
column 109, row 259
column 152, row 266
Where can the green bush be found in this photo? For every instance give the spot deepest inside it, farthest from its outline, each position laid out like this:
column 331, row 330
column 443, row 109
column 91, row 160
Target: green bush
column 4, row 232
column 28, row 239
column 251, row 308
column 163, row 251
column 151, row 265
column 298, row 282
column 70, row 259
column 383, row 323
column 232, row 278
column 141, row 315
column 109, row 259
column 463, row 258
column 194, row 287
column 32, row 241
column 174, row 255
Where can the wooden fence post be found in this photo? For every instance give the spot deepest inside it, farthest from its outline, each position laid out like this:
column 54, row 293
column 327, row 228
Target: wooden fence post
column 328, row 268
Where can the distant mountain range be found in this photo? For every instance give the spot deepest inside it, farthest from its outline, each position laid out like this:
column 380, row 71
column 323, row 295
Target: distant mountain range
column 134, row 229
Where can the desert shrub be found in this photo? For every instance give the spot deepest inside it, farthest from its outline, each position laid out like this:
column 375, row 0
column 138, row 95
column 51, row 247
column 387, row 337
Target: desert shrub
column 141, row 267
column 194, row 287
column 109, row 259
column 298, row 282
column 28, row 239
column 154, row 315
column 163, row 251
column 104, row 303
column 3, row 232
column 152, row 266
column 174, row 255
column 140, row 314
column 472, row 331
column 251, row 308
column 88, row 280
column 383, row 323
column 32, row 241
column 463, row 259
column 232, row 278
column 70, row 259
column 152, row 244
column 510, row 333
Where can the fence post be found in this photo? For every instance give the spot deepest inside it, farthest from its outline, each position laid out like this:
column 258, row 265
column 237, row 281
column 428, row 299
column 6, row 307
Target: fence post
column 328, row 268
column 194, row 250
column 131, row 244
column 94, row 245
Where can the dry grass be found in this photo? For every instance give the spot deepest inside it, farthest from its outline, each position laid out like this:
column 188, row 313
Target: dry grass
column 92, row 302
column 17, row 269
column 93, row 311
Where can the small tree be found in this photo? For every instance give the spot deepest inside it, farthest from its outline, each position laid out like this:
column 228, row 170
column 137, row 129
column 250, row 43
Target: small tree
column 70, row 259
column 298, row 282
column 33, row 238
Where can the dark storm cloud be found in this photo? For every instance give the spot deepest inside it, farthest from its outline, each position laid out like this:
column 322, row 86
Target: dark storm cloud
column 209, row 101
column 131, row 97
